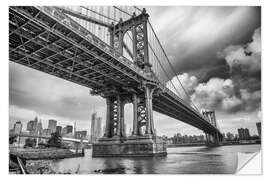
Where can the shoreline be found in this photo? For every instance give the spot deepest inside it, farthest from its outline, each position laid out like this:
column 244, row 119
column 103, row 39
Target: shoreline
column 203, row 144
column 44, row 154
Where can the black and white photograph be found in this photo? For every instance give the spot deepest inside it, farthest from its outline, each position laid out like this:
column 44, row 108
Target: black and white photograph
column 133, row 89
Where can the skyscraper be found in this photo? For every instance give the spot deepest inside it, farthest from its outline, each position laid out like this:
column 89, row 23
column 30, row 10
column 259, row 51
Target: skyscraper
column 74, row 132
column 17, row 129
column 59, row 129
column 258, row 124
column 39, row 126
column 243, row 134
column 52, row 125
column 95, row 127
column 32, row 126
column 69, row 129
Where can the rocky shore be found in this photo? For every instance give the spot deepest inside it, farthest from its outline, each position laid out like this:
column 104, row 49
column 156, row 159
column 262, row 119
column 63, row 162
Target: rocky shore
column 41, row 154
column 39, row 161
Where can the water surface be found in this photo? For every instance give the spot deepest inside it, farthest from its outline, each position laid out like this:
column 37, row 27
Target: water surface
column 180, row 160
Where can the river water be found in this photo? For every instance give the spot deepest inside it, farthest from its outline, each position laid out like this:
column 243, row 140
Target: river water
column 180, row 160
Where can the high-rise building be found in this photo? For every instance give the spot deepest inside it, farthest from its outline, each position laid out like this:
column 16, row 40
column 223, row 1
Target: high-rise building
column 258, row 124
column 46, row 132
column 59, row 129
column 80, row 134
column 29, row 125
column 64, row 131
column 95, row 127
column 52, row 125
column 74, row 128
column 39, row 127
column 69, row 129
column 17, row 129
column 243, row 134
column 32, row 126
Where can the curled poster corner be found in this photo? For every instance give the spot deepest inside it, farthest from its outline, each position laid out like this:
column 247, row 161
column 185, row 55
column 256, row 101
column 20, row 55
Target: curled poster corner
column 249, row 163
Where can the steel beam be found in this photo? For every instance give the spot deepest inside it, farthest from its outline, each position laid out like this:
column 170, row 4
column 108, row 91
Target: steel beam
column 85, row 17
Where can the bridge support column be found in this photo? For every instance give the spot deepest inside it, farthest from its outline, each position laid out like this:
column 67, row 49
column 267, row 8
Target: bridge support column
column 135, row 114
column 108, row 118
column 149, row 111
column 137, row 144
column 118, row 133
column 212, row 139
column 122, row 121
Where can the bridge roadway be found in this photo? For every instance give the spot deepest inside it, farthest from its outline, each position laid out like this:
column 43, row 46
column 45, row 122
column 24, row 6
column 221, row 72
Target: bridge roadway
column 45, row 39
column 48, row 137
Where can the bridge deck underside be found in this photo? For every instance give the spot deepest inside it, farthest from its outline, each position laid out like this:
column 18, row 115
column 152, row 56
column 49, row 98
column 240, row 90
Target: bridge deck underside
column 168, row 105
column 38, row 41
column 46, row 40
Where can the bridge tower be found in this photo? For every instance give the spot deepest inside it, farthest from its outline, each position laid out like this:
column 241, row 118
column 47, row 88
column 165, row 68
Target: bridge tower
column 213, row 138
column 143, row 141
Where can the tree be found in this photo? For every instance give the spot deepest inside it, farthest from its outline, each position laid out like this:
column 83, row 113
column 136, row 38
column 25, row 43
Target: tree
column 29, row 142
column 12, row 139
column 55, row 140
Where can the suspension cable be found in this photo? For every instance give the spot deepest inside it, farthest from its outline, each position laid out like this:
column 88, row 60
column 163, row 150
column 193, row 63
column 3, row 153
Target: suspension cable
column 168, row 60
column 171, row 65
column 153, row 50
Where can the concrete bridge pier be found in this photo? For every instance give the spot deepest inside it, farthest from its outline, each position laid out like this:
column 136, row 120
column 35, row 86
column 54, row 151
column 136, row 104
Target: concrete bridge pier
column 143, row 141
column 213, row 139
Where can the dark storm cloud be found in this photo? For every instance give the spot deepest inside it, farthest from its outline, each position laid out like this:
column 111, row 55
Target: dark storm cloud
column 193, row 35
column 241, row 91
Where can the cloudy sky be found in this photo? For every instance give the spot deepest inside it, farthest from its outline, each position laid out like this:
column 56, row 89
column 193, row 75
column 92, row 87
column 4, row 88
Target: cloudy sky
column 216, row 52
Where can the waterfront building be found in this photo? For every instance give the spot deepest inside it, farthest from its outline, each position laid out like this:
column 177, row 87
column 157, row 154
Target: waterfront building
column 64, row 131
column 243, row 134
column 17, row 128
column 52, row 125
column 67, row 130
column 95, row 127
column 59, row 129
column 68, row 135
column 80, row 134
column 179, row 139
column 258, row 124
column 46, row 132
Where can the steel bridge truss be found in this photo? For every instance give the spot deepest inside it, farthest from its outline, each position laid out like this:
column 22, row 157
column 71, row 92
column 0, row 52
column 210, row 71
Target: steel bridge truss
column 45, row 39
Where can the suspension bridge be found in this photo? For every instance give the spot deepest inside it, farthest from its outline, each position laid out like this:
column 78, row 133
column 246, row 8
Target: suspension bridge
column 114, row 51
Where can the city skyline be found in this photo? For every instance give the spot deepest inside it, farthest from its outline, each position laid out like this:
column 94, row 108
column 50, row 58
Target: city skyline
column 128, row 132
column 45, row 124
column 240, row 103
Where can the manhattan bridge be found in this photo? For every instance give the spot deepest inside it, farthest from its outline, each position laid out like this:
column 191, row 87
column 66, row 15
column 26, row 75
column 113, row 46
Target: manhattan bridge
column 114, row 51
